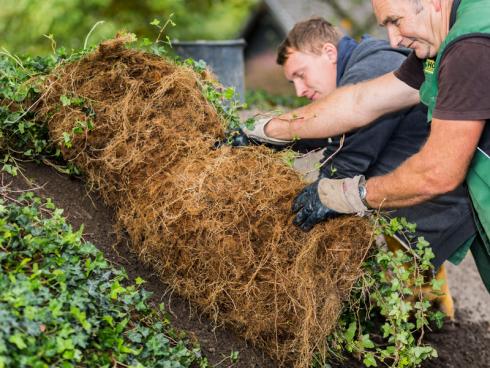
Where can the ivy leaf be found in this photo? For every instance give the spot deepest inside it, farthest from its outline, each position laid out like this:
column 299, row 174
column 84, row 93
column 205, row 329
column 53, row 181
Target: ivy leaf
column 18, row 341
column 155, row 22
column 370, row 361
column 67, row 140
column 366, row 342
column 249, row 123
column 437, row 284
column 350, row 332
column 234, row 356
column 229, row 93
column 12, row 170
column 65, row 100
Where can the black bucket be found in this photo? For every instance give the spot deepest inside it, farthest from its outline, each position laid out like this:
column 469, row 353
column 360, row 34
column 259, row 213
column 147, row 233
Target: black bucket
column 225, row 59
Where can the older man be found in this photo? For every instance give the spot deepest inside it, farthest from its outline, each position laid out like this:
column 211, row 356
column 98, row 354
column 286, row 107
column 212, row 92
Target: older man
column 448, row 71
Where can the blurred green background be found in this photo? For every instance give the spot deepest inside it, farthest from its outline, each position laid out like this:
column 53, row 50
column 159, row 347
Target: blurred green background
column 25, row 23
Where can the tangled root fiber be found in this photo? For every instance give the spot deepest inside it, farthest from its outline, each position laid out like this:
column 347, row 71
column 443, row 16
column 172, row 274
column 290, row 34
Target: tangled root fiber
column 148, row 113
column 214, row 224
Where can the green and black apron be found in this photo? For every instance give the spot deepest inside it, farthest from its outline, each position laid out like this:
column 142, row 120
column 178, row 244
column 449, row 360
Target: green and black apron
column 472, row 19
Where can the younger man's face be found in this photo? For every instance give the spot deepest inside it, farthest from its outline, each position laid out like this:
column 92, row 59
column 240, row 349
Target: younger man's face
column 314, row 75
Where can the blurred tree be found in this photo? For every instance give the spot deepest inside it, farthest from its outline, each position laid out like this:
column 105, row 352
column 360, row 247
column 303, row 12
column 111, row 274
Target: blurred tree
column 24, row 22
column 356, row 16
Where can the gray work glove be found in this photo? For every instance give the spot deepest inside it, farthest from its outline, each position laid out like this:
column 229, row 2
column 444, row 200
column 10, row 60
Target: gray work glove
column 343, row 195
column 243, row 136
column 257, row 134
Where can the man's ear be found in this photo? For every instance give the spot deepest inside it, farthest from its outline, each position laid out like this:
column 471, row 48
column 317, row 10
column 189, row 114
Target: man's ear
column 330, row 51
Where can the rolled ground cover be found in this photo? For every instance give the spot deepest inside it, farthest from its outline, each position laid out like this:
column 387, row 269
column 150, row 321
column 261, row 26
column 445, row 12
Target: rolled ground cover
column 215, row 224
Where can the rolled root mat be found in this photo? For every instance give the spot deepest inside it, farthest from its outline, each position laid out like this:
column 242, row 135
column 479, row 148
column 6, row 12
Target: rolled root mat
column 214, row 224
column 217, row 229
column 126, row 113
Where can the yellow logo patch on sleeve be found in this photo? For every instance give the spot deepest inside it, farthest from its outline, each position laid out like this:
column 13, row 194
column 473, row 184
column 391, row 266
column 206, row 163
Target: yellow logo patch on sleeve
column 429, row 66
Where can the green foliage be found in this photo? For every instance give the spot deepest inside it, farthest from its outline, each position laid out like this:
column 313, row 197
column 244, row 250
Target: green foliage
column 388, row 310
column 159, row 47
column 62, row 304
column 21, row 136
column 355, row 16
column 24, row 22
column 81, row 126
column 263, row 100
column 288, row 157
column 223, row 99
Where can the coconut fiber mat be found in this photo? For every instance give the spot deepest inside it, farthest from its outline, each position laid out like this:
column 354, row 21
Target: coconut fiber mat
column 215, row 224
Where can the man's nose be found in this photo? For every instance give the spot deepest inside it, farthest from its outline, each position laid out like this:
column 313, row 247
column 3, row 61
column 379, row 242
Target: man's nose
column 394, row 36
column 300, row 88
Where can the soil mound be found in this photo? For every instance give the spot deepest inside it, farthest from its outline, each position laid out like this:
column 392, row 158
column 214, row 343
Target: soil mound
column 214, row 224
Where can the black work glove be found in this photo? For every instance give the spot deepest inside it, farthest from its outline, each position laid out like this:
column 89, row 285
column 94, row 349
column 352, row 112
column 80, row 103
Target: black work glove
column 235, row 138
column 309, row 209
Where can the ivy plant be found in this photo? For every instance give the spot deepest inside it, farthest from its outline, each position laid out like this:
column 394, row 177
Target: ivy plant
column 389, row 311
column 62, row 304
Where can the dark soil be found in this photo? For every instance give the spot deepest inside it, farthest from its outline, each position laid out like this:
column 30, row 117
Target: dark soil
column 461, row 344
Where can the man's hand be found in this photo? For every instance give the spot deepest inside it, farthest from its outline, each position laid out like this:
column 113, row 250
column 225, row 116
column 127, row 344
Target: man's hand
column 236, row 138
column 244, row 136
column 309, row 209
column 257, row 133
column 344, row 195
column 328, row 198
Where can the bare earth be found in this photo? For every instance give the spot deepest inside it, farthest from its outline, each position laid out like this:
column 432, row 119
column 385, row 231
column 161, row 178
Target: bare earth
column 465, row 283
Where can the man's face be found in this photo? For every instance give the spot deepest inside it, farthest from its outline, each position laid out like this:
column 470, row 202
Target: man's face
column 313, row 74
column 411, row 24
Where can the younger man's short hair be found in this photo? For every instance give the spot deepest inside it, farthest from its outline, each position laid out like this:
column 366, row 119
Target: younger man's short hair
column 308, row 36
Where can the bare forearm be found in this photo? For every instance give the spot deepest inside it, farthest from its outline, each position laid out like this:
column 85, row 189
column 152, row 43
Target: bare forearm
column 406, row 186
column 316, row 119
column 438, row 168
column 347, row 108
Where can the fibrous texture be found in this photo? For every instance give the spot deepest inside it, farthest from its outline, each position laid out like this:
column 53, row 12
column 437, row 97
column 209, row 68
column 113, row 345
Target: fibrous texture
column 215, row 224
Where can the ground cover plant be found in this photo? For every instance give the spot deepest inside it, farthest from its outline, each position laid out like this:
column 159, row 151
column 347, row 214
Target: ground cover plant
column 152, row 94
column 390, row 293
column 62, row 304
column 21, row 136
